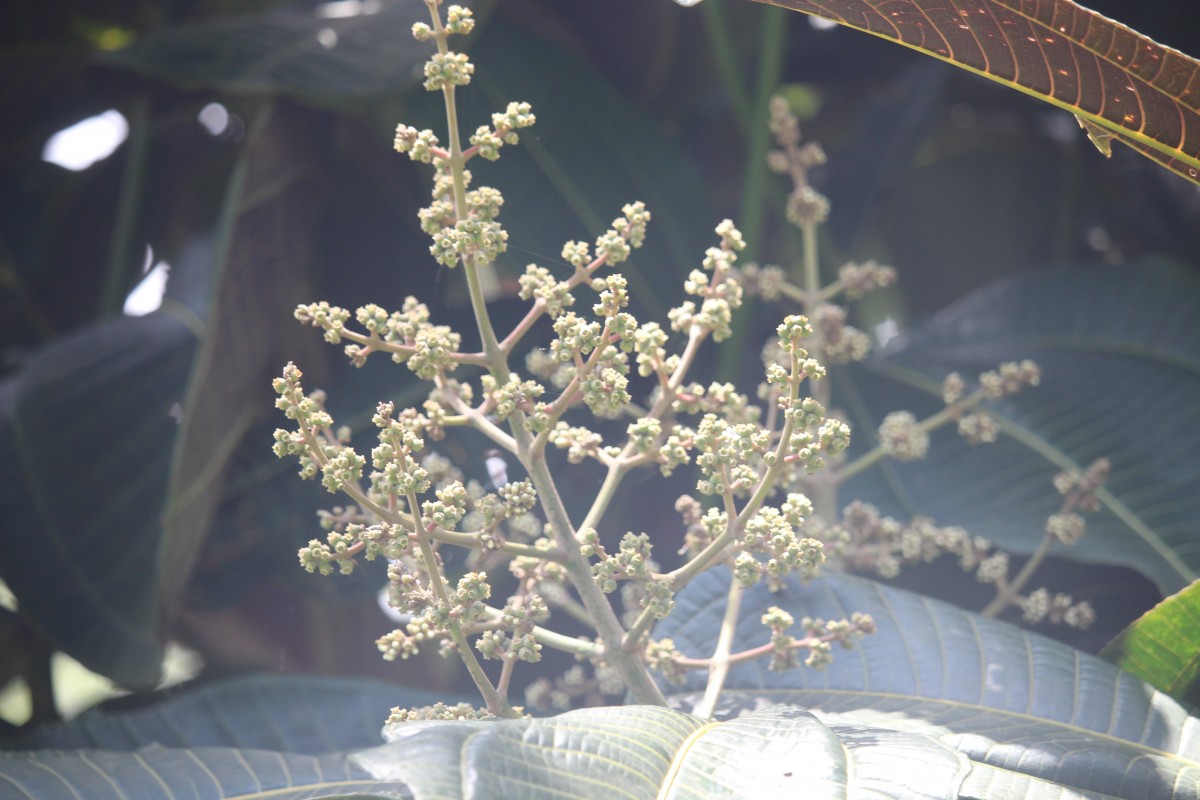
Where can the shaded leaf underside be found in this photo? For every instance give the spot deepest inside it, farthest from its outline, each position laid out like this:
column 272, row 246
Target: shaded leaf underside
column 1147, row 95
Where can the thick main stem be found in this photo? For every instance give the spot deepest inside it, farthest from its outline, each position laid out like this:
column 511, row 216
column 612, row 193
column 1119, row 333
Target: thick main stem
column 718, row 669
column 631, row 668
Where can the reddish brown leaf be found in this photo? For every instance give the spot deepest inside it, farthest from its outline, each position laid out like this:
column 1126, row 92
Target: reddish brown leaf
column 1146, row 95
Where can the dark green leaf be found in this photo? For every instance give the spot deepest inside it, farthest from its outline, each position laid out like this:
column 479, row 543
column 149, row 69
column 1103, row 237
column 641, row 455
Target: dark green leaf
column 87, row 427
column 576, row 168
column 1119, row 357
column 289, row 51
column 1121, row 84
column 288, row 713
column 204, row 773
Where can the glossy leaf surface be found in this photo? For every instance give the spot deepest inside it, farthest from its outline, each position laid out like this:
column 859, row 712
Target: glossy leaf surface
column 649, row 752
column 1163, row 646
column 1003, row 696
column 1121, row 84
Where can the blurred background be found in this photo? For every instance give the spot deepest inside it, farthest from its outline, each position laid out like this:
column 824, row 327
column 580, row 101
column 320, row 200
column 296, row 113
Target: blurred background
column 175, row 176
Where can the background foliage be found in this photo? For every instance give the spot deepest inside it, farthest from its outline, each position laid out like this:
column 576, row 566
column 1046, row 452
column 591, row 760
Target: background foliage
column 126, row 526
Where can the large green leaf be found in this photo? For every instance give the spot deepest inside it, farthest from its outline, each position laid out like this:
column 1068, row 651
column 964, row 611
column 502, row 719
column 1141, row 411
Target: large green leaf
column 124, row 444
column 288, row 713
column 631, row 752
column 1120, row 359
column 264, row 736
column 1162, row 647
column 645, row 752
column 86, row 432
column 1003, row 696
column 204, row 773
column 1119, row 83
column 288, row 51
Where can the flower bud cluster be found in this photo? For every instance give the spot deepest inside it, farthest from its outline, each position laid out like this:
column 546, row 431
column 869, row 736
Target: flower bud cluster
column 655, row 595
column 840, row 343
column 515, row 395
column 882, row 544
column 580, row 443
column 805, row 206
column 1081, row 489
column 860, row 279
column 503, row 131
column 445, row 70
column 419, row 145
column 902, row 437
column 1010, row 378
column 783, row 644
column 728, row 455
column 978, row 428
column 439, row 711
column 474, row 240
column 660, row 656
column 1040, row 606
column 772, row 548
column 720, row 292
column 720, row 399
column 766, row 282
column 513, row 640
column 539, row 284
column 821, row 635
column 631, row 561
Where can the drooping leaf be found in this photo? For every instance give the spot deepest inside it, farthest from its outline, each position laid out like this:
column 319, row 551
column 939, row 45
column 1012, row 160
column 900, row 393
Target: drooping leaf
column 122, row 538
column 1163, row 646
column 263, row 736
column 86, row 432
column 1116, row 80
column 204, row 773
column 288, row 51
column 1002, row 695
column 1118, row 355
column 287, row 713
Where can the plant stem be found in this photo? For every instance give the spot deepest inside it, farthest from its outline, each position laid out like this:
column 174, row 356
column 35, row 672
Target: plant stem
column 630, row 666
column 812, row 268
column 718, row 669
column 876, row 453
column 1008, row 594
column 496, row 703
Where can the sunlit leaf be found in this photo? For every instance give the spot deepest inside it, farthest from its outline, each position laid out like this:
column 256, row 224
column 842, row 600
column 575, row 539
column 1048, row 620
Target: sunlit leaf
column 1138, row 91
column 1163, row 646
